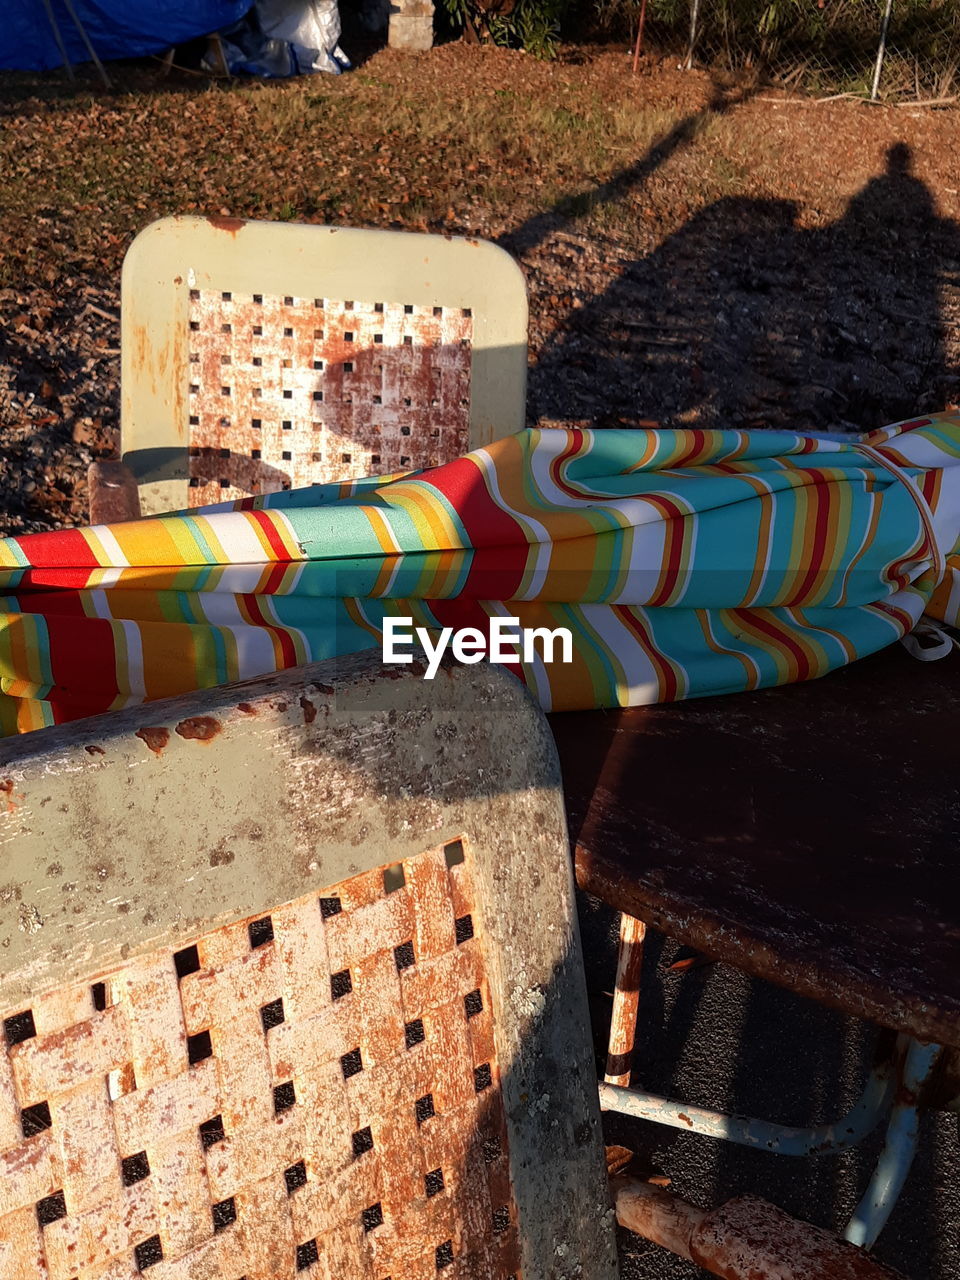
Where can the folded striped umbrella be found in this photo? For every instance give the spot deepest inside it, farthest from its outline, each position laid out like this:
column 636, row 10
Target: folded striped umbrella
column 682, row 563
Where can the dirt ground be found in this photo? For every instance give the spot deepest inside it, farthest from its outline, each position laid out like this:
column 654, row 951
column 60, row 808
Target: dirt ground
column 697, row 253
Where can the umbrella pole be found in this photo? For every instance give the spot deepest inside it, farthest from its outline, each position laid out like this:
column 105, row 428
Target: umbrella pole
column 68, row 4
column 58, row 36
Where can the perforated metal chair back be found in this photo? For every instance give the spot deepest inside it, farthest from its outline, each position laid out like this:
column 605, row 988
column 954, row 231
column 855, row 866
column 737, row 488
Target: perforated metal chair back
column 292, row 986
column 260, row 356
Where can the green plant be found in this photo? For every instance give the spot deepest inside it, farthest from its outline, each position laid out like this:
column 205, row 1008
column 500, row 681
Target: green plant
column 533, row 25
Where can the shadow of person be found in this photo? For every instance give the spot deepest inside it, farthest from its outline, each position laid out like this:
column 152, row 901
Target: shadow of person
column 744, row 318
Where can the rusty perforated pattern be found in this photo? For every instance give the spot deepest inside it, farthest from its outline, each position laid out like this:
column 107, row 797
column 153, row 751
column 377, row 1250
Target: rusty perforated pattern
column 314, row 1092
column 288, row 392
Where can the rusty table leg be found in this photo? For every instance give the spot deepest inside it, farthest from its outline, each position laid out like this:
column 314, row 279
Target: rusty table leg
column 743, row 1239
column 113, row 493
column 626, row 999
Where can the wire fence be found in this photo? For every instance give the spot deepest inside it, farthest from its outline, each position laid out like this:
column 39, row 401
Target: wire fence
column 880, row 49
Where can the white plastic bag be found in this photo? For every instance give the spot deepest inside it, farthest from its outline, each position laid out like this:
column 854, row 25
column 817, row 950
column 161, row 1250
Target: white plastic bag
column 312, row 27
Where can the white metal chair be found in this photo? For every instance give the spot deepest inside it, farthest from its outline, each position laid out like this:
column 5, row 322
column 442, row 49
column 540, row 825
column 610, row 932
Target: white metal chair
column 292, row 986
column 259, row 356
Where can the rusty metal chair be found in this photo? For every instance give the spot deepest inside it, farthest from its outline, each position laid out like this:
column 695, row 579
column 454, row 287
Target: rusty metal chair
column 292, row 986
column 259, row 356
column 807, row 835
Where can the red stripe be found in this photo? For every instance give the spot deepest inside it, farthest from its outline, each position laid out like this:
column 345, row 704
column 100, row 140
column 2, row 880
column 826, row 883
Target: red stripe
column 274, row 580
column 576, row 442
column 821, row 497
column 484, row 521
column 63, row 579
column 669, row 683
column 83, row 656
column 272, row 536
column 781, row 638
column 496, row 572
column 462, row 613
column 899, row 616
column 62, row 547
column 68, row 604
column 674, row 541
column 287, row 648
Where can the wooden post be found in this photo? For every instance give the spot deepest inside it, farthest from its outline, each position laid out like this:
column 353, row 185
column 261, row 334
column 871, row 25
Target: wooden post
column 639, row 45
column 694, row 15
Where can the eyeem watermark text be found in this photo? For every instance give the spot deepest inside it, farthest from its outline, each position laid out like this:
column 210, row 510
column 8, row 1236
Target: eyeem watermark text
column 508, row 641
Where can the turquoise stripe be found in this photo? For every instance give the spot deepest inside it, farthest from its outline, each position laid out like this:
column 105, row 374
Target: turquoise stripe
column 200, row 538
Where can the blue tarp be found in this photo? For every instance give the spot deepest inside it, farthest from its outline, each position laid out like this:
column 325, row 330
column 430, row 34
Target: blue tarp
column 117, row 28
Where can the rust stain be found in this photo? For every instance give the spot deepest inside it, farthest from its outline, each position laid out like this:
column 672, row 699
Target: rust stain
column 199, row 728
column 324, row 688
column 749, row 1237
column 309, row 711
column 7, row 794
column 247, row 708
column 156, row 737
column 93, row 750
column 140, row 341
column 225, row 995
column 223, row 222
column 682, row 1115
column 179, row 356
column 390, row 392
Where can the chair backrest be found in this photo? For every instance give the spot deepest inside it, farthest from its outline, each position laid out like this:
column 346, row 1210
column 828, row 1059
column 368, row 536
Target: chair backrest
column 292, row 985
column 258, row 356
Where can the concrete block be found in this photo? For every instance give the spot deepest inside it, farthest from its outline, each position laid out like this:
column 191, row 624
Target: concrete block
column 411, row 28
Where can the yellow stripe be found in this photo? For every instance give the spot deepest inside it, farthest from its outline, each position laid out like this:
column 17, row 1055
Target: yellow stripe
column 97, row 548
column 381, row 531
column 846, row 644
column 750, row 668
column 25, row 649
column 147, row 543
column 435, row 529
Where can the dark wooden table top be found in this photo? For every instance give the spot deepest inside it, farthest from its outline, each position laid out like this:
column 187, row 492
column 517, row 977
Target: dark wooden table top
column 808, row 834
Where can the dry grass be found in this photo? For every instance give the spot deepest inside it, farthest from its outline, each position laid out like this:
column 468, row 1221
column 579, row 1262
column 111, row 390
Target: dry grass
column 80, row 173
column 468, row 140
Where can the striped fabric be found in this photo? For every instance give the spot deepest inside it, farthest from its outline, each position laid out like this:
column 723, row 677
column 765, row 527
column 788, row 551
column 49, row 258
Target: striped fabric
column 683, row 563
